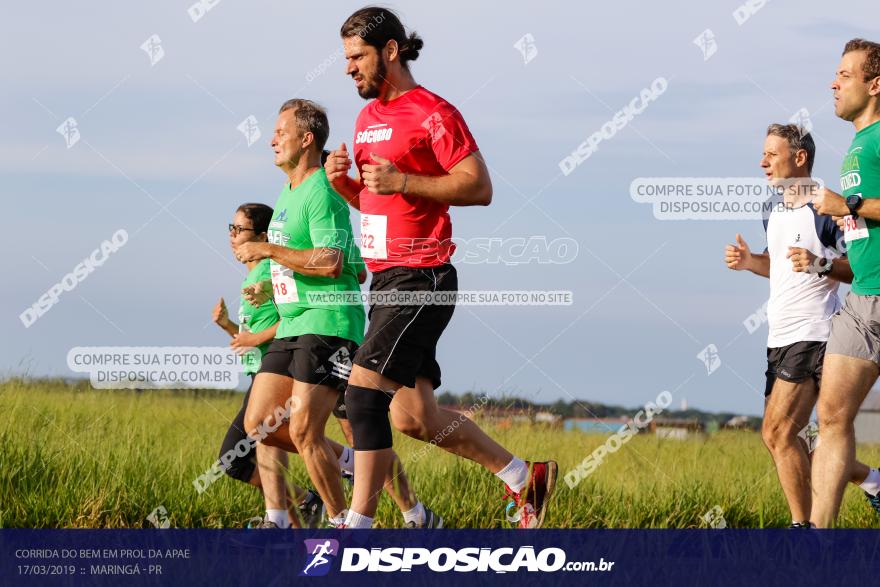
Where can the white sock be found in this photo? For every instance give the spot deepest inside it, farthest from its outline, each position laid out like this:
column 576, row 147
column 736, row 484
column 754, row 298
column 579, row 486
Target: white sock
column 346, row 460
column 279, row 517
column 872, row 483
column 515, row 474
column 355, row 520
column 417, row 515
column 340, row 519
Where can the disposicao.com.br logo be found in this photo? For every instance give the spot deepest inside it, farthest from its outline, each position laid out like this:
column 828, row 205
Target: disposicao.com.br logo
column 444, row 559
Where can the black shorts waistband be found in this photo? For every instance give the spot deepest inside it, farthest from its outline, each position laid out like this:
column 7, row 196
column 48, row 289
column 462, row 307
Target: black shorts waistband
column 382, row 277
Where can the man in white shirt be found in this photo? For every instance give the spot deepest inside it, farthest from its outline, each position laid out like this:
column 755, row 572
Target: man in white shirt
column 805, row 268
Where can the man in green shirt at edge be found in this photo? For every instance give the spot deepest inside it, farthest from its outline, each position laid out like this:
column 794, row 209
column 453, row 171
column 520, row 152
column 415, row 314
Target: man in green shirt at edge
column 312, row 252
column 852, row 357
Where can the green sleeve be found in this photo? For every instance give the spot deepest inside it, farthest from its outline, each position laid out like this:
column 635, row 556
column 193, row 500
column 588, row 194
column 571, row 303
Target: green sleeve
column 330, row 226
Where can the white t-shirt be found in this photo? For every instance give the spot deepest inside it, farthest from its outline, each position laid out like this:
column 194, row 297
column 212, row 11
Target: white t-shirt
column 801, row 304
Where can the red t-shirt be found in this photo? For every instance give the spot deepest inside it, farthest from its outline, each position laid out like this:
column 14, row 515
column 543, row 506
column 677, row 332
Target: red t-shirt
column 422, row 134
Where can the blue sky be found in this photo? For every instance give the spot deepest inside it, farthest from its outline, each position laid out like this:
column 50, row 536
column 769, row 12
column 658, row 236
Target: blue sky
column 160, row 156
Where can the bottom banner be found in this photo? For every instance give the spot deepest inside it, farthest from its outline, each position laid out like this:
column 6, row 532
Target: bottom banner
column 425, row 557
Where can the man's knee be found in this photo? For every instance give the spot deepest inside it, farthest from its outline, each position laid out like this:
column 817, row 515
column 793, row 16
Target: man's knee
column 252, row 419
column 778, row 434
column 362, row 377
column 832, row 417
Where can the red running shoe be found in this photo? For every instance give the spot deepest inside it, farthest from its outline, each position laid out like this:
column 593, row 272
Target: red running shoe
column 531, row 502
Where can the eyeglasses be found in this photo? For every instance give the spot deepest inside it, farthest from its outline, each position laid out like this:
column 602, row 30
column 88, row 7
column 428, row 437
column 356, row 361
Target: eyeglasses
column 237, row 230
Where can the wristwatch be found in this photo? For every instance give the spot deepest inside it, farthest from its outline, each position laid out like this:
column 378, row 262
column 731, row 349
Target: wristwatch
column 854, row 202
column 826, row 267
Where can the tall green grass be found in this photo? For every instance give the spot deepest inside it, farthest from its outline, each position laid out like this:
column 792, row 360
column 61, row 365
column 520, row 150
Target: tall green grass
column 71, row 456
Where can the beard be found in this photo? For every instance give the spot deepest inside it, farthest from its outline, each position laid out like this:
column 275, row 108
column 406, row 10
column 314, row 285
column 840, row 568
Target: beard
column 373, row 84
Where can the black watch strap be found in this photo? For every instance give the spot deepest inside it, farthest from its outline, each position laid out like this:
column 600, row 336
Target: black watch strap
column 854, row 203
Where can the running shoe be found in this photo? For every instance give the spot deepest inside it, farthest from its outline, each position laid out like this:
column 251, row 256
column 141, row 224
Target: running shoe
column 311, row 510
column 531, row 502
column 266, row 525
column 874, row 500
column 432, row 520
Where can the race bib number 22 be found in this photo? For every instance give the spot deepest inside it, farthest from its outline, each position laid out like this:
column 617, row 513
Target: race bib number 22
column 374, row 234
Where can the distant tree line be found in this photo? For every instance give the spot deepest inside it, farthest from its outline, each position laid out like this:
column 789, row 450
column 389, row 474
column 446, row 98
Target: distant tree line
column 573, row 409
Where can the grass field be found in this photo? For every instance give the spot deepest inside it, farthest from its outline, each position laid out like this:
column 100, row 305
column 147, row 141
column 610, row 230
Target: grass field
column 76, row 457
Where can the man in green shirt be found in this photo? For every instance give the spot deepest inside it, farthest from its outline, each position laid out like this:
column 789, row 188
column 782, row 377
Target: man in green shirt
column 852, row 357
column 313, row 257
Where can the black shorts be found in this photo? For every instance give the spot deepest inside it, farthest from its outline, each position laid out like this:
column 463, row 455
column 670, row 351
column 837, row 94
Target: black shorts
column 240, row 467
column 401, row 341
column 795, row 363
column 314, row 359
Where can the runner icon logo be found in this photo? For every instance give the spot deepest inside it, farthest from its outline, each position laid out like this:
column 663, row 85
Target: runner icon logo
column 434, row 125
column 250, row 129
column 710, row 358
column 321, row 554
column 526, row 46
column 153, row 48
column 707, row 44
column 70, row 131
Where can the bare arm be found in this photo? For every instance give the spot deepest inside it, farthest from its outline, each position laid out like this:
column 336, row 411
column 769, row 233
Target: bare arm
column 266, row 335
column 337, row 167
column 833, row 204
column 841, row 270
column 220, row 316
column 760, row 264
column 803, row 261
column 350, row 190
column 467, row 183
column 739, row 257
column 319, row 262
column 244, row 340
column 230, row 327
column 870, row 209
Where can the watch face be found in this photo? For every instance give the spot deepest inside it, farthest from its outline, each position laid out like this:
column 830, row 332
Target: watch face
column 852, row 201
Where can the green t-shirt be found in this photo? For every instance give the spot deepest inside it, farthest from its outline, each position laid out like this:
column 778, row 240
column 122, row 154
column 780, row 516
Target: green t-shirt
column 313, row 215
column 256, row 319
column 860, row 175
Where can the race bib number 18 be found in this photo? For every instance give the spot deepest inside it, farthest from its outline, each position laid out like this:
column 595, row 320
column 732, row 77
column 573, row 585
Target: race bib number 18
column 854, row 228
column 283, row 285
column 374, row 233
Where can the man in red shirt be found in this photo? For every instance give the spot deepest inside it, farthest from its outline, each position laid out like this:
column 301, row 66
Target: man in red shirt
column 415, row 157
